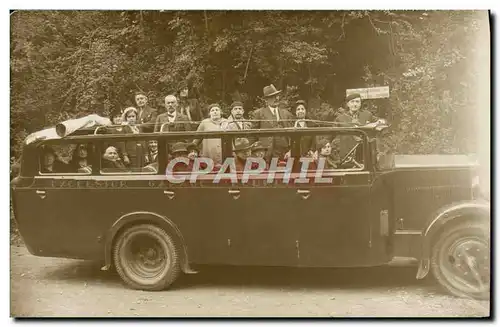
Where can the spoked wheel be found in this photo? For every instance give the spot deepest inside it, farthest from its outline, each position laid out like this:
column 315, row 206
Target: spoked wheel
column 146, row 258
column 461, row 261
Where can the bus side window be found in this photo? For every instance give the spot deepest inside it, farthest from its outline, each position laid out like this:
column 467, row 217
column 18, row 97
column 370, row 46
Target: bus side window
column 66, row 159
column 134, row 156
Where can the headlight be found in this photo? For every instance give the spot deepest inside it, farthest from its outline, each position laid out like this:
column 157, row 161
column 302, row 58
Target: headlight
column 475, row 187
column 475, row 181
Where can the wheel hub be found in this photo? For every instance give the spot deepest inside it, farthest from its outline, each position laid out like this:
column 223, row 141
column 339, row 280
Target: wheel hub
column 468, row 260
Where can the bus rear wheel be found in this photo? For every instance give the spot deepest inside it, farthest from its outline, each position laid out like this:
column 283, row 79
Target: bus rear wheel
column 460, row 260
column 146, row 258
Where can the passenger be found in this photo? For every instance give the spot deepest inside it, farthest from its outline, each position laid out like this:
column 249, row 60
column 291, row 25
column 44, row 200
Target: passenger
column 52, row 164
column 235, row 120
column 193, row 153
column 111, row 160
column 325, row 152
column 354, row 115
column 258, row 150
column 146, row 115
column 242, row 150
column 271, row 116
column 132, row 151
column 307, row 142
column 212, row 148
column 80, row 161
column 152, row 155
column 116, row 117
column 188, row 105
column 177, row 122
column 179, row 150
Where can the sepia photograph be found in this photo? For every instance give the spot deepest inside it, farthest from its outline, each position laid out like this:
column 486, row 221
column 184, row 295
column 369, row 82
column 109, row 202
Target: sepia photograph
column 250, row 163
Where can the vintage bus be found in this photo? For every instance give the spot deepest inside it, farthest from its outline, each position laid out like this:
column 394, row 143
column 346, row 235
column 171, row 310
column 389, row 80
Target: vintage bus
column 151, row 227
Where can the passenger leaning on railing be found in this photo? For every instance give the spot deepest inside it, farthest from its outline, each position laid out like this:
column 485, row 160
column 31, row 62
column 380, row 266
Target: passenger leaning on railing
column 175, row 121
column 307, row 142
column 271, row 116
column 212, row 147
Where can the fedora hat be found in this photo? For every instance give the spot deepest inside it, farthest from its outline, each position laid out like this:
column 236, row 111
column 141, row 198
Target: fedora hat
column 258, row 146
column 270, row 90
column 241, row 144
column 179, row 147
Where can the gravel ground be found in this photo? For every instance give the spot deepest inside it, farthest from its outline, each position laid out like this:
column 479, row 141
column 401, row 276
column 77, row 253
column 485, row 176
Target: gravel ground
column 51, row 287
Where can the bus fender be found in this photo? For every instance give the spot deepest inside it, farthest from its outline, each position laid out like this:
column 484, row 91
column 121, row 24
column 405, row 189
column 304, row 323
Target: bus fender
column 145, row 217
column 453, row 213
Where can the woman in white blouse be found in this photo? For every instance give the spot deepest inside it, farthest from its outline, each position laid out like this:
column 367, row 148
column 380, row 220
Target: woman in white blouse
column 212, row 148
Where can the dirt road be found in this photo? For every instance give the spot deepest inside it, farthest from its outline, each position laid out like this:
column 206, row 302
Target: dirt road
column 47, row 287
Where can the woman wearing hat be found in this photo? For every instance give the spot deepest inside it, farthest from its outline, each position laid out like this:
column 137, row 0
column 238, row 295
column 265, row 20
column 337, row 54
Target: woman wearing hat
column 212, row 148
column 80, row 161
column 193, row 153
column 188, row 106
column 307, row 142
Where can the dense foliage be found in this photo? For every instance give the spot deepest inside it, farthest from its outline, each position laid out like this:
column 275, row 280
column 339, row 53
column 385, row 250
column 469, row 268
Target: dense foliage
column 70, row 63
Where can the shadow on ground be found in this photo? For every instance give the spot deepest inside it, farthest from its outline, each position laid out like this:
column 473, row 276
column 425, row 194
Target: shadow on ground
column 256, row 277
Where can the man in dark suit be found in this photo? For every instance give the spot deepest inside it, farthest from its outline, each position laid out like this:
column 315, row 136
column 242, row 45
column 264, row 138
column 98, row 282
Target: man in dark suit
column 352, row 117
column 176, row 121
column 272, row 116
column 146, row 115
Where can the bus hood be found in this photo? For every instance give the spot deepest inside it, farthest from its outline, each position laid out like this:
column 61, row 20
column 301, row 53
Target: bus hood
column 435, row 160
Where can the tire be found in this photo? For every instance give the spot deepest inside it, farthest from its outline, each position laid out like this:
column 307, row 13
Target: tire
column 460, row 260
column 146, row 258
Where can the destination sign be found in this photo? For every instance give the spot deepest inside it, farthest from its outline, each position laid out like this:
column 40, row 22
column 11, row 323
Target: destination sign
column 370, row 92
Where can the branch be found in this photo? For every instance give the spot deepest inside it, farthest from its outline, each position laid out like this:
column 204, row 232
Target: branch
column 248, row 63
column 342, row 27
column 371, row 22
column 206, row 20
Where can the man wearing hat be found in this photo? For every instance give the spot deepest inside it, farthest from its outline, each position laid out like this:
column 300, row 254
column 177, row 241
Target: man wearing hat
column 242, row 149
column 354, row 115
column 178, row 151
column 271, row 116
column 235, row 120
column 146, row 115
column 258, row 150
